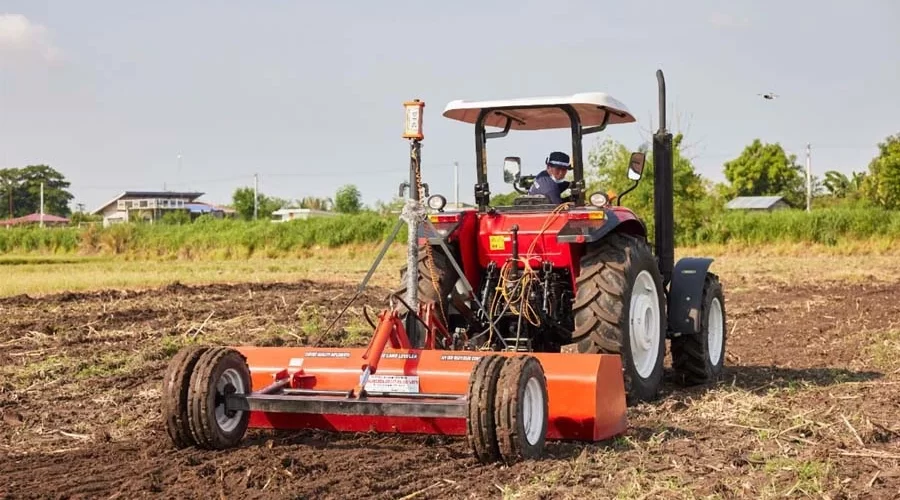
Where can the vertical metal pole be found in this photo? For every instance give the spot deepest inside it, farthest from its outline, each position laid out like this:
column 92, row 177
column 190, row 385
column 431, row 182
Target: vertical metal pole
column 808, row 179
column 255, row 195
column 482, row 190
column 456, row 183
column 412, row 257
column 663, row 189
column 42, row 204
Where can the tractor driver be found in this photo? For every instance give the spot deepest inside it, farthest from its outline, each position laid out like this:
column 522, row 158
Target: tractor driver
column 551, row 182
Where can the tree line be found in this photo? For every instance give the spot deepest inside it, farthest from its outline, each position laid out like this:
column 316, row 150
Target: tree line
column 20, row 191
column 347, row 200
column 761, row 169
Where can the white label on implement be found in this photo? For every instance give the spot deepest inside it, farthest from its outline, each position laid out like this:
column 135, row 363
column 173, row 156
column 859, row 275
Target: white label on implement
column 393, row 383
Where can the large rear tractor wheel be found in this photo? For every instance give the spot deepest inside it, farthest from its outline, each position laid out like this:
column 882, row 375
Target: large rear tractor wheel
column 699, row 359
column 620, row 309
column 444, row 276
column 176, row 382
column 219, row 372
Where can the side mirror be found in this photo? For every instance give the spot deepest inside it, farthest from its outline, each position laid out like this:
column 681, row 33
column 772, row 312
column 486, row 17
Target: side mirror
column 512, row 167
column 636, row 166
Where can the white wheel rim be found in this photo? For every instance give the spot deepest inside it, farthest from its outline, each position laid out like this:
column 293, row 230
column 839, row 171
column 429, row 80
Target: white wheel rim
column 716, row 331
column 223, row 420
column 644, row 317
column 533, row 405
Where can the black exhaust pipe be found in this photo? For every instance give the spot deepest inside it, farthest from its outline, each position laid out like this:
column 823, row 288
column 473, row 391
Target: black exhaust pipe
column 663, row 191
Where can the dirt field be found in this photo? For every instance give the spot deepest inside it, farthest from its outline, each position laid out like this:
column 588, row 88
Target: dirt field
column 809, row 406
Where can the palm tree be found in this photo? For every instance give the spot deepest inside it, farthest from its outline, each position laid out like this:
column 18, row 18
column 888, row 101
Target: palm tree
column 837, row 183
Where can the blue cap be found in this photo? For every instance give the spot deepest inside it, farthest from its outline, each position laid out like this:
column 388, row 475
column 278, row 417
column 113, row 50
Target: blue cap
column 559, row 159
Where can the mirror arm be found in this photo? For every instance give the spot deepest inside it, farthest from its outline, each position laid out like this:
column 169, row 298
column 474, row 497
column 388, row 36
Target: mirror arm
column 623, row 193
column 497, row 135
column 597, row 128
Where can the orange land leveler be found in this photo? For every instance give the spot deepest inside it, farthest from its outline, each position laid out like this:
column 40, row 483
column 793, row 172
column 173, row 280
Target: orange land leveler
column 514, row 325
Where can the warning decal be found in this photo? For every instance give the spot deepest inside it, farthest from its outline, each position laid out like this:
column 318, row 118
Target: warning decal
column 393, row 383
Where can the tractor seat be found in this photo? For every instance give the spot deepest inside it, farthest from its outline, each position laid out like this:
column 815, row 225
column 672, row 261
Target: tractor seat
column 531, row 199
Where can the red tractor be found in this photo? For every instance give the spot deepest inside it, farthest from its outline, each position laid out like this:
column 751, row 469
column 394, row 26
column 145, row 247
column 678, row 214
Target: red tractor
column 582, row 276
column 491, row 361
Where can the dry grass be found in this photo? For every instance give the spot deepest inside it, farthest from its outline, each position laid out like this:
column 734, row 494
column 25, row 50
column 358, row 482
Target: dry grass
column 732, row 442
column 41, row 275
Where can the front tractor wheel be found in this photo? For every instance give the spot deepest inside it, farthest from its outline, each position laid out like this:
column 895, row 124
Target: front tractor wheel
column 620, row 309
column 699, row 359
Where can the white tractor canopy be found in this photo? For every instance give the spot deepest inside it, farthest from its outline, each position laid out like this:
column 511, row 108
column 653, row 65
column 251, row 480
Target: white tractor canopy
column 537, row 113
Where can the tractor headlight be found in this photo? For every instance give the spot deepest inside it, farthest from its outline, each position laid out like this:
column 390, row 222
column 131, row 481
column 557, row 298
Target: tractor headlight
column 437, row 202
column 598, row 199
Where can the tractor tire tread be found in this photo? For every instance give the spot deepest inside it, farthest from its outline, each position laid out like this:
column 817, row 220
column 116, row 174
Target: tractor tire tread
column 689, row 352
column 443, row 272
column 511, row 440
column 176, row 383
column 600, row 308
column 446, row 277
column 481, row 429
column 197, row 395
column 202, row 398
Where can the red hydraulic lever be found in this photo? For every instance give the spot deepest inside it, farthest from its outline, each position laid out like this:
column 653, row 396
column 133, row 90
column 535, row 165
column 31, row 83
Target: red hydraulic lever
column 390, row 329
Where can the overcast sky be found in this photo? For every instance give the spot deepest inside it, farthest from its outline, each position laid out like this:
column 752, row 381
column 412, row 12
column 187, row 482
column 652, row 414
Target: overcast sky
column 309, row 94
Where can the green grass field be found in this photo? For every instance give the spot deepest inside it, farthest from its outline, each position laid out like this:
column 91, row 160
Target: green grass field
column 752, row 265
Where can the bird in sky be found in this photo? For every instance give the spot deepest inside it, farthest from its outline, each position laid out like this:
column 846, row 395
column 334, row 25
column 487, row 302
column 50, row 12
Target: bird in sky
column 768, row 95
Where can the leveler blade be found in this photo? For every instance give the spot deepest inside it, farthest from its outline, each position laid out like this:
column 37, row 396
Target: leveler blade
column 419, row 391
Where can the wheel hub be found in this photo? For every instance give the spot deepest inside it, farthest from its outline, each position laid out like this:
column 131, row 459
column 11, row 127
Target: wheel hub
column 644, row 317
column 715, row 339
column 533, row 402
column 229, row 383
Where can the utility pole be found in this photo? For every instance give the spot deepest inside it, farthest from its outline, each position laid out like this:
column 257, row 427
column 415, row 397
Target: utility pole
column 255, row 195
column 808, row 179
column 456, row 183
column 42, row 204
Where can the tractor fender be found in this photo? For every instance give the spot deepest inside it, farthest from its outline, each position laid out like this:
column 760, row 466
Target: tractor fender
column 594, row 229
column 686, row 294
column 443, row 232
